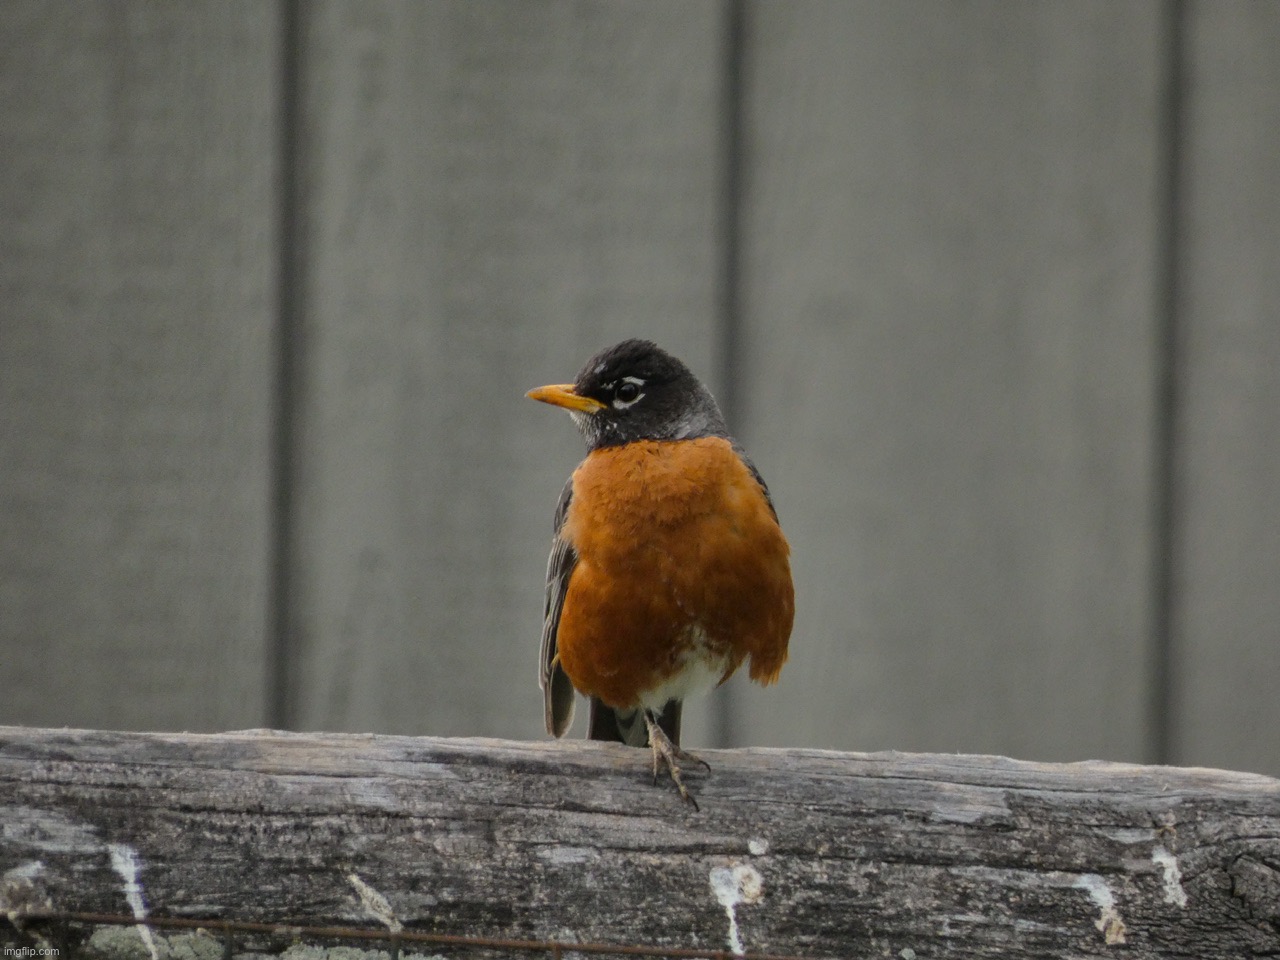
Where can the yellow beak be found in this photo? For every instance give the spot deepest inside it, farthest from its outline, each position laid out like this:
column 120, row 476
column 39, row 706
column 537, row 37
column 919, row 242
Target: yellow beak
column 562, row 395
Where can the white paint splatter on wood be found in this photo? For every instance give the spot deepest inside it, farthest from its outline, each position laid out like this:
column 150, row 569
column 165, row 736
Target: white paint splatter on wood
column 375, row 904
column 1108, row 923
column 1168, row 863
column 124, row 861
column 732, row 886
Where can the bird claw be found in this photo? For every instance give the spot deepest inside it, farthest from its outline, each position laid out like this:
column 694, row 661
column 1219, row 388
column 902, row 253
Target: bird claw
column 664, row 751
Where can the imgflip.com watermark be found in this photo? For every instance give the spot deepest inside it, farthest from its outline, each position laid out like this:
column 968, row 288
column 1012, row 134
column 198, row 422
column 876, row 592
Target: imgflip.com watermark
column 27, row 952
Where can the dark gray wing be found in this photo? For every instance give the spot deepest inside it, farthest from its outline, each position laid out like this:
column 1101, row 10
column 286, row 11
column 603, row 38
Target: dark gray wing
column 742, row 454
column 557, row 691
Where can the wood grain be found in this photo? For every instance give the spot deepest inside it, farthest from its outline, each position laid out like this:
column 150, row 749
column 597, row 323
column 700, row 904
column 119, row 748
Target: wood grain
column 828, row 854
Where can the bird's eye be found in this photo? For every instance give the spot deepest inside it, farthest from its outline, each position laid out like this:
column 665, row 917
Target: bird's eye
column 627, row 392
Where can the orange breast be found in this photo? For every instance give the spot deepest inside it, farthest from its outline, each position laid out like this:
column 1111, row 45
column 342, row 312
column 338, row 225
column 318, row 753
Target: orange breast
column 681, row 564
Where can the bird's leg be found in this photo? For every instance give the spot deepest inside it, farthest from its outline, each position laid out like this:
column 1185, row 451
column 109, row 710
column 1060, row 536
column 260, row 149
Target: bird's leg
column 665, row 751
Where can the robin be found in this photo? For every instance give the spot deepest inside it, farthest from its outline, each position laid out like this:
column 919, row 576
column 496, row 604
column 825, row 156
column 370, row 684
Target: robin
column 668, row 567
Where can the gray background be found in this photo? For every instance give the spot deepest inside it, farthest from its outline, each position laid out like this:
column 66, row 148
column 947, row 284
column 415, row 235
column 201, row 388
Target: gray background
column 988, row 289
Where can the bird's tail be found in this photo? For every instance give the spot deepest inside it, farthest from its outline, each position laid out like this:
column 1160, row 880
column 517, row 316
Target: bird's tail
column 628, row 726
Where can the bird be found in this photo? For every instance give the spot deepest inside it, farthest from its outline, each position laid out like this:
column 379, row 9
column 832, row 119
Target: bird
column 668, row 566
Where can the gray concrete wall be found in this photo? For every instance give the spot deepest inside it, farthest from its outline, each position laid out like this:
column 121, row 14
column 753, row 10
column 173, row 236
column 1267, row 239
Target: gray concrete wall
column 985, row 405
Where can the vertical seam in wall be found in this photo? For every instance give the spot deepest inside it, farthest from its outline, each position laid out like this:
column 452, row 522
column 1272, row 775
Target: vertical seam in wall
column 1162, row 708
column 280, row 707
column 728, row 343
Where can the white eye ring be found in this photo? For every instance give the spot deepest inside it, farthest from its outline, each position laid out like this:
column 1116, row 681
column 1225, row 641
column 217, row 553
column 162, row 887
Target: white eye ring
column 635, row 383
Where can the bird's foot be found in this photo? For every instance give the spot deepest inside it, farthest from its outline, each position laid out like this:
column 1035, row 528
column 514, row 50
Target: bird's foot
column 664, row 751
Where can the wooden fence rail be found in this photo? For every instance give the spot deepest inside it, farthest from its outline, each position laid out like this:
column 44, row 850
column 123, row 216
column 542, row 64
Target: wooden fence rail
column 550, row 847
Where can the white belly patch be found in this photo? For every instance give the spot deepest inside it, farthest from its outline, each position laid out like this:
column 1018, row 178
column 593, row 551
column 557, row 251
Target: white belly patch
column 699, row 672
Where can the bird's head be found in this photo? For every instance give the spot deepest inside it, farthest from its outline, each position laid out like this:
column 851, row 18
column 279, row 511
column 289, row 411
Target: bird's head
column 635, row 390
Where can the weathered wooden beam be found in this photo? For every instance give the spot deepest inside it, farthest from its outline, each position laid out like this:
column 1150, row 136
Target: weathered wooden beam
column 799, row 852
